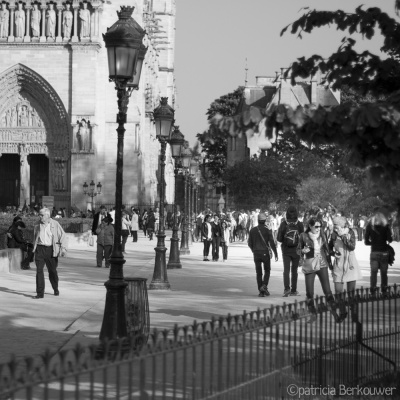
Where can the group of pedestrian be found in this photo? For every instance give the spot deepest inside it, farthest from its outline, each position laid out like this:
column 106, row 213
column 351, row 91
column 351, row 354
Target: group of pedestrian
column 215, row 233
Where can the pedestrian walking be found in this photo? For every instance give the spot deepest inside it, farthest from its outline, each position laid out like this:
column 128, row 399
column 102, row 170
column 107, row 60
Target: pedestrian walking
column 216, row 237
column 378, row 235
column 144, row 222
column 50, row 242
column 151, row 220
column 105, row 241
column 134, row 225
column 125, row 226
column 288, row 234
column 157, row 220
column 313, row 248
column 260, row 241
column 206, row 236
column 225, row 238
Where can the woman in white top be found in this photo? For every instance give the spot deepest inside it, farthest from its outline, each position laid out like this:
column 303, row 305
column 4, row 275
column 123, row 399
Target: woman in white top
column 134, row 225
column 124, row 230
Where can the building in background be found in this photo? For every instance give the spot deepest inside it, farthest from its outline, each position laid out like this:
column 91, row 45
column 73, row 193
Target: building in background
column 58, row 109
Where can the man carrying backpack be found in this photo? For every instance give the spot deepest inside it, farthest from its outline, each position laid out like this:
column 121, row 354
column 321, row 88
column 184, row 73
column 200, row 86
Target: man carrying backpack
column 289, row 234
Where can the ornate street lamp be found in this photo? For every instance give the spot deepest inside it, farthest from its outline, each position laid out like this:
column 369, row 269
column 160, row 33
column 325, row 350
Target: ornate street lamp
column 186, row 157
column 124, row 44
column 176, row 142
column 91, row 193
column 164, row 119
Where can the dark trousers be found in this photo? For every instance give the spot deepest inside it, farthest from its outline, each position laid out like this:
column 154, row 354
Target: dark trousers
column 379, row 261
column 262, row 257
column 215, row 247
column 145, row 229
column 323, row 278
column 124, row 239
column 206, row 250
column 103, row 251
column 134, row 236
column 27, row 256
column 225, row 251
column 150, row 232
column 290, row 264
column 44, row 255
column 360, row 235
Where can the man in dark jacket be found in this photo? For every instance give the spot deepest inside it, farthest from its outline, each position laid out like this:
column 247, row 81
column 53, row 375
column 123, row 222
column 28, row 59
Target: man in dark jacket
column 260, row 238
column 98, row 217
column 288, row 234
column 216, row 237
column 16, row 240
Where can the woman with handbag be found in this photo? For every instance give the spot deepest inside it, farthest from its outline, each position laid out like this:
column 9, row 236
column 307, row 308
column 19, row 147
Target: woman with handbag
column 314, row 260
column 345, row 267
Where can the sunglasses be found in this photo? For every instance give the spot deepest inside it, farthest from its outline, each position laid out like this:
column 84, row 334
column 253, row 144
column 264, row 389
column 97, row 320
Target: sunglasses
column 317, row 226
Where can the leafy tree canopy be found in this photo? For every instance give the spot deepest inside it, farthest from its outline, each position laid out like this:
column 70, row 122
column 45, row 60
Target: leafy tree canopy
column 369, row 131
column 214, row 141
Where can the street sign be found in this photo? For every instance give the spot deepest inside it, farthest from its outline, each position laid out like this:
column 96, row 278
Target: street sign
column 48, row 201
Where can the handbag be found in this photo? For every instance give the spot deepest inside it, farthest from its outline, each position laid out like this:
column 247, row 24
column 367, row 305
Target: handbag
column 91, row 240
column 267, row 245
column 311, row 265
column 391, row 254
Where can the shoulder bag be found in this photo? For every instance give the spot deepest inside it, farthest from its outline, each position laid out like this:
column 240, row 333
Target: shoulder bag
column 266, row 245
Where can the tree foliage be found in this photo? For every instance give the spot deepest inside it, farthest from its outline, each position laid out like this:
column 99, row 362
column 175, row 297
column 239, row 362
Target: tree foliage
column 257, row 182
column 214, row 141
column 370, row 132
column 320, row 191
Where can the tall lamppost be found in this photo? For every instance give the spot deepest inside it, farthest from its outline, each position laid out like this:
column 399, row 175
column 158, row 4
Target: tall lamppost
column 194, row 166
column 189, row 198
column 186, row 157
column 164, row 119
column 176, row 142
column 125, row 56
column 91, row 193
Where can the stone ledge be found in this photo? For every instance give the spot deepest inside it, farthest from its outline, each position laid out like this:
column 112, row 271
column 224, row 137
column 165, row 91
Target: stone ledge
column 10, row 261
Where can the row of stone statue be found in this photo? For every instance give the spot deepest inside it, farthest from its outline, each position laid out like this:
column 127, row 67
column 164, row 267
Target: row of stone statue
column 20, row 20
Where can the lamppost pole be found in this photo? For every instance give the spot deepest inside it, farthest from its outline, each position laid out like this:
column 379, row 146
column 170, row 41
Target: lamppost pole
column 190, row 239
column 176, row 143
column 125, row 57
column 184, row 239
column 164, row 119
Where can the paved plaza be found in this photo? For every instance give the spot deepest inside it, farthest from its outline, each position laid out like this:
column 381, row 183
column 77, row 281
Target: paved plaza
column 200, row 291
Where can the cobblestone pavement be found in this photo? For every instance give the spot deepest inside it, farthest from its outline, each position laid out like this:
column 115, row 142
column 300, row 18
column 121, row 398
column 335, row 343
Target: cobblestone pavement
column 200, row 290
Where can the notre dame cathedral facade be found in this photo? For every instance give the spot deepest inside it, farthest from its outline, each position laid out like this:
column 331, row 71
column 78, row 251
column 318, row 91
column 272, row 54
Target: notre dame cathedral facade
column 58, row 109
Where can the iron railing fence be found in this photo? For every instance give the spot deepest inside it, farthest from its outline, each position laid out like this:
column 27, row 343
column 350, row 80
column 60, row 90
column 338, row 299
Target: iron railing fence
column 267, row 354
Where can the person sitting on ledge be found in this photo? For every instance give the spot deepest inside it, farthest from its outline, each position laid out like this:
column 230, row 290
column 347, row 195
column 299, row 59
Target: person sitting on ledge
column 16, row 240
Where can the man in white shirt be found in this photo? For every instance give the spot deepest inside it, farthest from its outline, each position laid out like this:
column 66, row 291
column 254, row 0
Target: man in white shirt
column 49, row 244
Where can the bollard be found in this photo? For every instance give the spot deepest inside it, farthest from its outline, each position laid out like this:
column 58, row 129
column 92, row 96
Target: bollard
column 137, row 312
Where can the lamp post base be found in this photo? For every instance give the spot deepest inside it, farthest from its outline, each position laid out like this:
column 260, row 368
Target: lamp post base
column 160, row 278
column 174, row 261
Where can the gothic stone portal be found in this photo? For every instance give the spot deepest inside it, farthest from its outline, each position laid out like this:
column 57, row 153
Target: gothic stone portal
column 28, row 131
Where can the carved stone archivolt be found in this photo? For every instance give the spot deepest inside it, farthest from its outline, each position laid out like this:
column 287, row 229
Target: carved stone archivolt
column 29, row 127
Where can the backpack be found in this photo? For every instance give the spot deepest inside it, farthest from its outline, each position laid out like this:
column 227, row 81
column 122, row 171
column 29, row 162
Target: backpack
column 291, row 237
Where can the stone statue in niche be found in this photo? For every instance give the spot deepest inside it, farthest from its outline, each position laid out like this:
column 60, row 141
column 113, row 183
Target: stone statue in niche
column 83, row 136
column 4, row 18
column 36, row 16
column 68, row 18
column 84, row 16
column 51, row 22
column 19, row 22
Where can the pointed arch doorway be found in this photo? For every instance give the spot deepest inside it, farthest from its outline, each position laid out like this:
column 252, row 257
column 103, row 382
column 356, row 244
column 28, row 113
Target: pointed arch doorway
column 35, row 126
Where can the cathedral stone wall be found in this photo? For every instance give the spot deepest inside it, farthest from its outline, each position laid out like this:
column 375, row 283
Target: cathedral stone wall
column 75, row 70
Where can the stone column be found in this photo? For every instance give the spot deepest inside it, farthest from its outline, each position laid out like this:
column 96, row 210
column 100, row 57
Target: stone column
column 12, row 8
column 75, row 6
column 95, row 21
column 60, row 10
column 43, row 7
column 25, row 186
column 28, row 8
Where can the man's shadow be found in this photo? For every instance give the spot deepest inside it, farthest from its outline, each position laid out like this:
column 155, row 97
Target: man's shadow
column 7, row 290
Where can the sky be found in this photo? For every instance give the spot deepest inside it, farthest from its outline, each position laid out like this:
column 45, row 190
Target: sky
column 214, row 38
